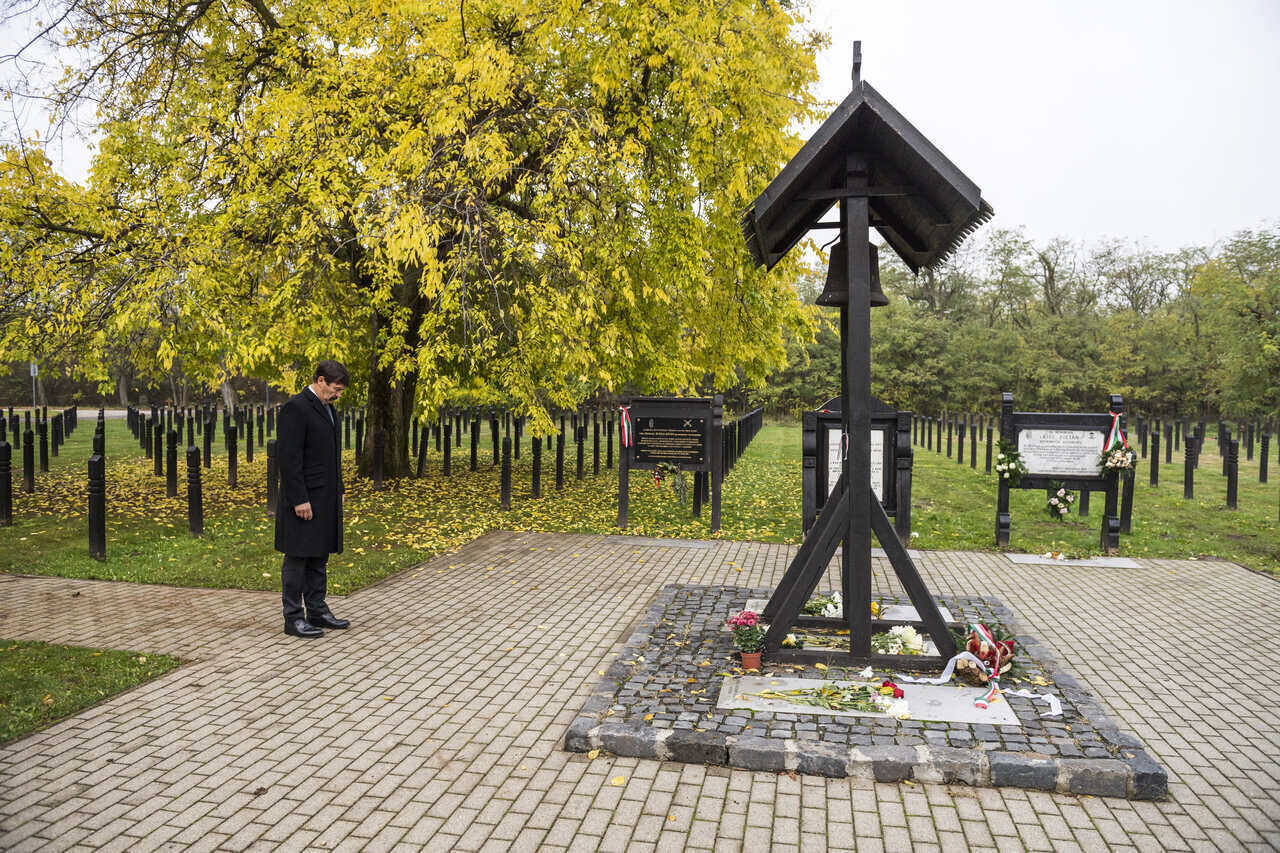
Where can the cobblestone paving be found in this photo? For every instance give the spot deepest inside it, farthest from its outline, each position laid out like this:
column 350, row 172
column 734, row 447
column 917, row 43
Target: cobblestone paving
column 436, row 721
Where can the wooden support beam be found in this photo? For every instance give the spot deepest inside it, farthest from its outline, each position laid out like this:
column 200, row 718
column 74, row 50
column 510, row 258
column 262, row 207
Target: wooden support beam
column 856, row 412
column 905, row 569
column 807, row 568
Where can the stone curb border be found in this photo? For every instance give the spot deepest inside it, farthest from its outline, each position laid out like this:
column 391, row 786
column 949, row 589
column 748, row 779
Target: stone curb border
column 1137, row 777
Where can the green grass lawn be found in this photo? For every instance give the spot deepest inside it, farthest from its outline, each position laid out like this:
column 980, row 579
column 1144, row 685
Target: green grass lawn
column 412, row 520
column 44, row 683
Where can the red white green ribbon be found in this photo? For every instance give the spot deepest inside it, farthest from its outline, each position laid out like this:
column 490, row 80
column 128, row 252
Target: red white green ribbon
column 1116, row 437
column 981, row 630
column 994, row 675
column 625, row 430
column 989, row 696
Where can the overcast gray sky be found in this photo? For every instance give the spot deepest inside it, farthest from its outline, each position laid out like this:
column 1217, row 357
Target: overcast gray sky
column 1151, row 120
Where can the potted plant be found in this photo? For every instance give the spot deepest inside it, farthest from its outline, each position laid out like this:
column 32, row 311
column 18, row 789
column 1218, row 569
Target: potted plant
column 748, row 636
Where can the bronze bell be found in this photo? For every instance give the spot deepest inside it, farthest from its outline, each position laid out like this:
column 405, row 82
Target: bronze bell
column 836, row 291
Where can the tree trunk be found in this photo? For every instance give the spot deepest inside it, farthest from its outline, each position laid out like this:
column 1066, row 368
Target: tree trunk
column 390, row 409
column 228, row 394
column 123, row 387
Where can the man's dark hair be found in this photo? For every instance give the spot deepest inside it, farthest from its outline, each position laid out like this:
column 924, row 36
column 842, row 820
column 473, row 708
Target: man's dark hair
column 333, row 373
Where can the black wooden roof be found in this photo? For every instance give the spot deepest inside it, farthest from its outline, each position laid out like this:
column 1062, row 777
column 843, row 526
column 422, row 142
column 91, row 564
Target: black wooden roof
column 922, row 205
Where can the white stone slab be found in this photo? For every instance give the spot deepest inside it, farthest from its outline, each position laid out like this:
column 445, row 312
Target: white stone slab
column 1061, row 452
column 1093, row 562
column 895, row 612
column 907, row 613
column 943, row 703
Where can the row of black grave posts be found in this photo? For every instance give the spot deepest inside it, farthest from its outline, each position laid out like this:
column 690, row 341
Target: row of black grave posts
column 973, row 426
column 1171, row 432
column 41, row 437
column 159, row 442
column 737, row 435
column 505, row 437
column 159, row 433
column 6, row 476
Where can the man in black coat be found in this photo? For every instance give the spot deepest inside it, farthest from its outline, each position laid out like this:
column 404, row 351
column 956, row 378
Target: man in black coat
column 309, row 520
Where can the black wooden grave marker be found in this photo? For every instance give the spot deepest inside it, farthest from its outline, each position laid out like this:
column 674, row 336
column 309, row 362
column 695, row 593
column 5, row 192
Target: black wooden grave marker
column 682, row 431
column 1061, row 447
column 821, row 463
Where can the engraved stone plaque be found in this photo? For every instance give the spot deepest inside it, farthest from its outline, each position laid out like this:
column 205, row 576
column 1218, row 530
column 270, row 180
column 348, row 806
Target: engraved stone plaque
column 1061, row 452
column 835, row 459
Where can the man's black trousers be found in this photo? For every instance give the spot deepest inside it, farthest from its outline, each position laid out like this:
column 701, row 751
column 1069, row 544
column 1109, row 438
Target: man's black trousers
column 303, row 583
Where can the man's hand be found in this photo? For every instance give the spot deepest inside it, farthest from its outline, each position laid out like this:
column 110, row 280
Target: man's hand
column 303, row 511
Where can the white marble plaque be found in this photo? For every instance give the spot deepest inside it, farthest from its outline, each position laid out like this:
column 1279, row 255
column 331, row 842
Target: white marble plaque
column 1061, row 452
column 835, row 459
column 907, row 613
column 943, row 703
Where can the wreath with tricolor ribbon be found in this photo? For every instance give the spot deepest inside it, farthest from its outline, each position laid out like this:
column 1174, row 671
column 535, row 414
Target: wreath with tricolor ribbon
column 1116, row 454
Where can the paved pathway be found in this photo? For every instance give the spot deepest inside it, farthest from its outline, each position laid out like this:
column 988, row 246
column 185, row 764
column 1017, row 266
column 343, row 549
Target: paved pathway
column 435, row 721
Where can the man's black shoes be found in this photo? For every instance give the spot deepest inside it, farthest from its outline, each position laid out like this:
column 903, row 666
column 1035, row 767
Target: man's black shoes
column 328, row 620
column 302, row 628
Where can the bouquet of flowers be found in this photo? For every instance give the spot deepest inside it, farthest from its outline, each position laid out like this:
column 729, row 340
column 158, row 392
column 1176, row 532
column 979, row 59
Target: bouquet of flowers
column 900, row 640
column 832, row 606
column 1059, row 503
column 1009, row 465
column 672, row 472
column 825, row 605
column 885, row 698
column 748, row 633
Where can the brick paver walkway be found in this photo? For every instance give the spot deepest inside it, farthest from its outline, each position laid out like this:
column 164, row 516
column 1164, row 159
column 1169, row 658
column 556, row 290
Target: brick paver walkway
column 435, row 722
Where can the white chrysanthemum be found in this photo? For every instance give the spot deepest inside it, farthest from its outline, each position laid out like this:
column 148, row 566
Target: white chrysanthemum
column 908, row 637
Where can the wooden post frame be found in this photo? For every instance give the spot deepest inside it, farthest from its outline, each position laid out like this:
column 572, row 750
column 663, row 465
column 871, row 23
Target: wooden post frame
column 1061, row 447
column 681, row 431
column 884, row 174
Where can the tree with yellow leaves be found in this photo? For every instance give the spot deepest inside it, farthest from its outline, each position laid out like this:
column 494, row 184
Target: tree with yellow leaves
column 533, row 198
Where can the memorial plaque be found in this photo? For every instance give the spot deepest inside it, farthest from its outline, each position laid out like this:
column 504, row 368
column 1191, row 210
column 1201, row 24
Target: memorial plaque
column 1061, row 452
column 677, row 440
column 835, row 458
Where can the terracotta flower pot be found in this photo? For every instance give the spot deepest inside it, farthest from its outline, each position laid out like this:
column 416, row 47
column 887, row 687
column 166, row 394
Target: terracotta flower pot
column 751, row 660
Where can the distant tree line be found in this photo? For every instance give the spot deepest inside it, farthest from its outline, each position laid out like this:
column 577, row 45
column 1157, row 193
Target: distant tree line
column 1194, row 332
